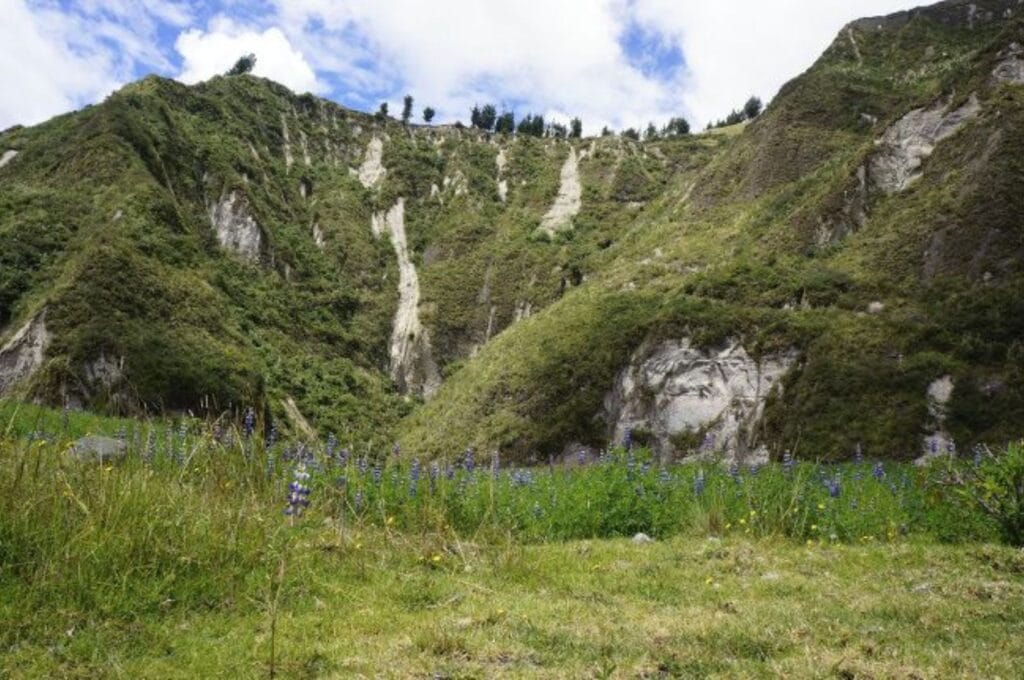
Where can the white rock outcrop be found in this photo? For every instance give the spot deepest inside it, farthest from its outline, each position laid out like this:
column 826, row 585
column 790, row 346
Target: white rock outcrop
column 412, row 364
column 24, row 353
column 372, row 171
column 1009, row 70
column 501, row 161
column 569, row 200
column 288, row 158
column 236, row 229
column 674, row 388
column 904, row 147
column 938, row 442
column 7, row 157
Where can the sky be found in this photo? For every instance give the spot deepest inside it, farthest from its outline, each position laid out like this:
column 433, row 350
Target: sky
column 620, row 63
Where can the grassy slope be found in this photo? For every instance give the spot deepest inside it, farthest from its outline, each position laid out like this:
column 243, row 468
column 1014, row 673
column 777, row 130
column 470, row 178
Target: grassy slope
column 724, row 255
column 375, row 604
column 166, row 571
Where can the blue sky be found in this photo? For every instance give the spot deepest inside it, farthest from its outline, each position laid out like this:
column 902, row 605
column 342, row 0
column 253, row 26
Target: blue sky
column 620, row 63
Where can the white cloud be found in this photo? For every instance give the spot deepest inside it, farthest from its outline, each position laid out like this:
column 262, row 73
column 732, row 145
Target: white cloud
column 563, row 56
column 736, row 49
column 208, row 53
column 40, row 74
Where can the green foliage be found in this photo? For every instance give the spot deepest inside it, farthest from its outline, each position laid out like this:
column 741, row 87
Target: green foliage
column 576, row 128
column 994, row 483
column 407, row 109
column 243, row 66
column 428, row 115
column 752, row 109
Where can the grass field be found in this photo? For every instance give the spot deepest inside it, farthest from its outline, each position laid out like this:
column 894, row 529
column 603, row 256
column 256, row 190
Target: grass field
column 180, row 562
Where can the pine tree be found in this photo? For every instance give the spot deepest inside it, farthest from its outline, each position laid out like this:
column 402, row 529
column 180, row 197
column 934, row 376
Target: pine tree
column 428, row 115
column 474, row 117
column 488, row 116
column 407, row 109
column 752, row 109
column 382, row 112
column 576, row 128
column 506, row 123
column 244, row 65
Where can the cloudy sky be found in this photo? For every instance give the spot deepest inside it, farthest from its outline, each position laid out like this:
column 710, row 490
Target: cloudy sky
column 620, row 63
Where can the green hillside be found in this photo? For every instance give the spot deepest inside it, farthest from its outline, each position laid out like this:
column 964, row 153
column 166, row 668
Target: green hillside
column 229, row 244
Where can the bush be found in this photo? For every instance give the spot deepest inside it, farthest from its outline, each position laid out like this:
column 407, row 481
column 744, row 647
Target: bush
column 995, row 484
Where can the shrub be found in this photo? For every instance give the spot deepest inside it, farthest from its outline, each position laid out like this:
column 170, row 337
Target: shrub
column 995, row 484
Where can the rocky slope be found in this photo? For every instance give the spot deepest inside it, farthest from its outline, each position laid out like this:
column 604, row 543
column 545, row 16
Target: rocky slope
column 811, row 284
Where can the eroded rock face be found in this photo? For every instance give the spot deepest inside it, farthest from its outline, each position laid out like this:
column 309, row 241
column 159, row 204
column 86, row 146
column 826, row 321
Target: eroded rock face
column 1011, row 68
column 569, row 200
column 674, row 389
column 372, row 171
column 236, row 229
column 7, row 157
column 412, row 363
column 938, row 442
column 24, row 353
column 501, row 161
column 912, row 139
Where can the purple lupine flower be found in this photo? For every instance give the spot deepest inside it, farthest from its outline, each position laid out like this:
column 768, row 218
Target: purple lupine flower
column 581, row 456
column 734, row 472
column 358, row 501
column 979, row 455
column 150, row 455
column 834, row 487
column 298, row 491
column 858, row 456
column 331, row 447
column 951, row 447
column 698, row 483
column 709, row 442
column 434, row 472
column 376, row 473
column 271, row 437
column 878, row 471
column 414, row 476
column 627, row 439
column 495, row 464
column 449, row 471
column 664, row 477
column 788, row 463
column 933, row 445
column 468, row 463
column 754, row 469
column 362, row 465
column 249, row 423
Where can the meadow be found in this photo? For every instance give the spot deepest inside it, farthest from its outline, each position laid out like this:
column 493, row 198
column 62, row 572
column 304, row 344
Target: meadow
column 213, row 551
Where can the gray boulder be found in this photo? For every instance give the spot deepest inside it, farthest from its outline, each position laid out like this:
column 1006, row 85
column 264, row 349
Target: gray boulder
column 95, row 449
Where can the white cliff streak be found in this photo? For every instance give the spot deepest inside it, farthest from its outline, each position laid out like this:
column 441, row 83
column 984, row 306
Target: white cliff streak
column 7, row 157
column 288, row 159
column 24, row 353
column 567, row 203
column 372, row 171
column 412, row 365
column 236, row 229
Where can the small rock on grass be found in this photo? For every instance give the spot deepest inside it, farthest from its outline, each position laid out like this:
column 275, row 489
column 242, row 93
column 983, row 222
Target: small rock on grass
column 642, row 538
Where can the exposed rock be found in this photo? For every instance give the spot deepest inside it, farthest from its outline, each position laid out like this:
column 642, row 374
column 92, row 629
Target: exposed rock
column 288, row 159
column 523, row 311
column 24, row 353
column 938, row 443
column 412, row 364
column 104, row 372
column 94, row 449
column 318, row 236
column 502, row 162
column 569, row 200
column 7, row 157
column 856, row 47
column 305, row 149
column 642, row 538
column 1009, row 70
column 675, row 388
column 235, row 227
column 876, row 308
column 298, row 420
column 372, row 171
column 904, row 147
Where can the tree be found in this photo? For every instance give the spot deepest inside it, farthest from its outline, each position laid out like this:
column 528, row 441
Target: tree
column 428, row 115
column 506, row 123
column 407, row 109
column 244, row 65
column 752, row 109
column 606, row 131
column 677, row 127
column 382, row 112
column 488, row 116
column 631, row 133
column 474, row 117
column 576, row 128
column 652, row 132
column 558, row 131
